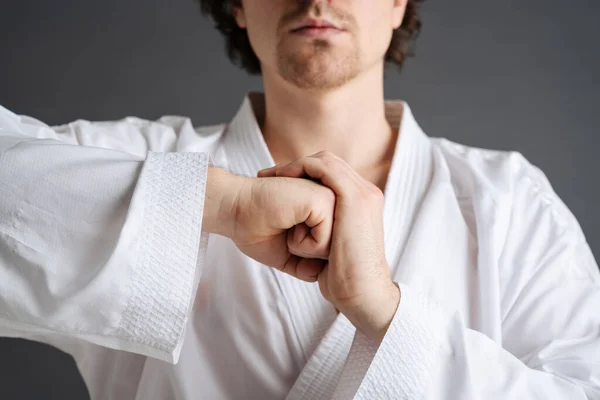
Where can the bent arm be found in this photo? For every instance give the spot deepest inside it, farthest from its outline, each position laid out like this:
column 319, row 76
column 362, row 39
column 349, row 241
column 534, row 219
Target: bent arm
column 98, row 244
column 550, row 347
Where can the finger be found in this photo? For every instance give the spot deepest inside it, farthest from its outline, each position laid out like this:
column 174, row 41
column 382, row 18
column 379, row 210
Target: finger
column 342, row 168
column 296, row 240
column 303, row 243
column 329, row 171
column 267, row 172
column 295, row 169
column 306, row 269
column 323, row 234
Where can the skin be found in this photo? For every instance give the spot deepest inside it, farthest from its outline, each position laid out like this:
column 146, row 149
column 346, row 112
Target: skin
column 356, row 278
column 324, row 120
column 339, row 105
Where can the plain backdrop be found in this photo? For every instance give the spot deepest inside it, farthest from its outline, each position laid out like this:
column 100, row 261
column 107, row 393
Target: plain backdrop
column 515, row 75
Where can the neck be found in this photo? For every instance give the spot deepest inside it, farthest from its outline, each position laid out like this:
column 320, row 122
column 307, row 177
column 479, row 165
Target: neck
column 349, row 121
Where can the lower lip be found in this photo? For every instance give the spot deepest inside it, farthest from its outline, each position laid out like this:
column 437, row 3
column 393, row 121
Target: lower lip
column 318, row 32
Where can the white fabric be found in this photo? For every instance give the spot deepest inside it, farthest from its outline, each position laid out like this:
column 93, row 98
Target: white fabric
column 101, row 252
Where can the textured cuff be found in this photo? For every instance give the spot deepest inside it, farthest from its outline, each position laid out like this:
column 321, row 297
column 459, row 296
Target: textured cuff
column 170, row 254
column 401, row 366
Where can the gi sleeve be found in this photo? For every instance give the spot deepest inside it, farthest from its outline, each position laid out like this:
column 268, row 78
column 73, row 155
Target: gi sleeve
column 550, row 345
column 100, row 233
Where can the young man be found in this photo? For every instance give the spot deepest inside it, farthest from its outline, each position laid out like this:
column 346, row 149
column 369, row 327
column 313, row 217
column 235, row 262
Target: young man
column 131, row 243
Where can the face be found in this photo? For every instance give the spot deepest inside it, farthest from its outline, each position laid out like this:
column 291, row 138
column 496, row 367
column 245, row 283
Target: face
column 319, row 44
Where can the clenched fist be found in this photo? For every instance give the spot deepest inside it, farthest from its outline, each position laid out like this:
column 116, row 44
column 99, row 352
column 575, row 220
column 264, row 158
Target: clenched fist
column 356, row 279
column 258, row 213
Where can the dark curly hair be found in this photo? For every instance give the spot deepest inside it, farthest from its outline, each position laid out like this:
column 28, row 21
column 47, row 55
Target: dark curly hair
column 240, row 51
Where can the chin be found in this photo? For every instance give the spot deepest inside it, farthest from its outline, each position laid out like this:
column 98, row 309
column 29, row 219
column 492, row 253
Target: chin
column 317, row 67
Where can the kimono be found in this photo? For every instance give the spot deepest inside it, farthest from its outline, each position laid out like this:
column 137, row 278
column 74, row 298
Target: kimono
column 102, row 255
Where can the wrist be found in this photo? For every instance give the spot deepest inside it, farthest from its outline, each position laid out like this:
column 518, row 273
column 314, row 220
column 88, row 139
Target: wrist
column 375, row 321
column 220, row 201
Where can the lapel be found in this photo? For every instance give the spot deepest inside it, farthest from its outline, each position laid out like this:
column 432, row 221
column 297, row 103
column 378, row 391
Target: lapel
column 440, row 251
column 440, row 257
column 319, row 377
column 451, row 249
column 428, row 242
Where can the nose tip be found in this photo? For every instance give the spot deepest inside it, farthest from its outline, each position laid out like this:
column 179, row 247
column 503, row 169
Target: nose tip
column 317, row 5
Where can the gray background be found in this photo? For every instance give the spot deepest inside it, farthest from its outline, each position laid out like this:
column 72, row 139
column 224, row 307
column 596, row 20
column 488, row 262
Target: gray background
column 513, row 74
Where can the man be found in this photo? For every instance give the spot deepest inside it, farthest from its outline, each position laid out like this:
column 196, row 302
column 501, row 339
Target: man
column 413, row 268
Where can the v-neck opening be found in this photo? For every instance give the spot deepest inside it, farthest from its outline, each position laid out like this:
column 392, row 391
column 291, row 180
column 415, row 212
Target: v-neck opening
column 406, row 184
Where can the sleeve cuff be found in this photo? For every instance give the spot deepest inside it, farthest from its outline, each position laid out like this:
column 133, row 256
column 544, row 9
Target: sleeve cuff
column 402, row 365
column 171, row 253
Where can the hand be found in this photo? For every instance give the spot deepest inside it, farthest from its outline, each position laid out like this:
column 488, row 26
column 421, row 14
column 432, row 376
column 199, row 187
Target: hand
column 257, row 214
column 357, row 278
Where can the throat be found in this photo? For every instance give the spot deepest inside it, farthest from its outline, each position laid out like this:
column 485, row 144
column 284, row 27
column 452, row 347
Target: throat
column 364, row 137
column 377, row 174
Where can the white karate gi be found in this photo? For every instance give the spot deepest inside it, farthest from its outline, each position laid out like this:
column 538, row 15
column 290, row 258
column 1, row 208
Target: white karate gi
column 101, row 255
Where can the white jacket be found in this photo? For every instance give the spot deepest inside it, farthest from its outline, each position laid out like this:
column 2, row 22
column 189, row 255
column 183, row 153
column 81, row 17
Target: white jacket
column 101, row 255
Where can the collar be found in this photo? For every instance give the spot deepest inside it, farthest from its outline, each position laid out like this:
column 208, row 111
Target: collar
column 408, row 180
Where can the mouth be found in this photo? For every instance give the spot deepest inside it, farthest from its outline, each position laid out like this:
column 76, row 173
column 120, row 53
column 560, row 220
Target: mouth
column 316, row 28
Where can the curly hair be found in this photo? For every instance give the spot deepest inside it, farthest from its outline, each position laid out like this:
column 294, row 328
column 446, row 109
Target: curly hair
column 240, row 51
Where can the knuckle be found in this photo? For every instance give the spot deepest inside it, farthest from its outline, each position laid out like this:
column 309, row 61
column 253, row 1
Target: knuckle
column 329, row 195
column 371, row 195
column 329, row 199
column 325, row 202
column 327, row 156
column 363, row 197
column 324, row 154
column 376, row 195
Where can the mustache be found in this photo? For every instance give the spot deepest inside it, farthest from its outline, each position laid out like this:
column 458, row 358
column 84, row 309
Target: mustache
column 317, row 9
